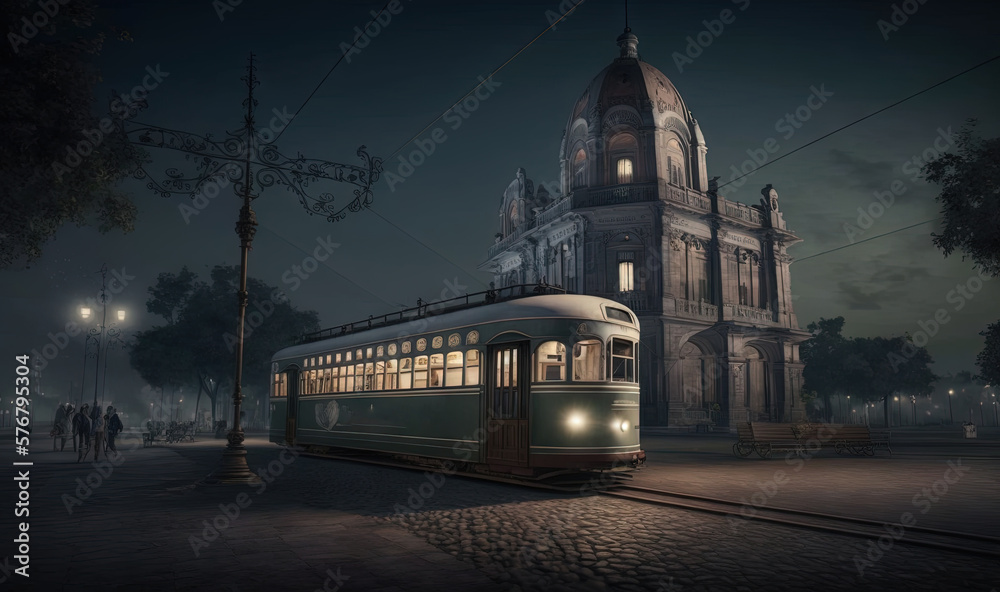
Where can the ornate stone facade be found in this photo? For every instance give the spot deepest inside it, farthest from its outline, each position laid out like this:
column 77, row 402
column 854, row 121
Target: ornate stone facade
column 636, row 219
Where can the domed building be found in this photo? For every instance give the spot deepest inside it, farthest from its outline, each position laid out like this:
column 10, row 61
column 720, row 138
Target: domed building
column 636, row 219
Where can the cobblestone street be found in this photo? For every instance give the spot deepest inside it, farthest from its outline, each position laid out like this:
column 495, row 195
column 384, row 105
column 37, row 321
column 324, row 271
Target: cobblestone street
column 320, row 522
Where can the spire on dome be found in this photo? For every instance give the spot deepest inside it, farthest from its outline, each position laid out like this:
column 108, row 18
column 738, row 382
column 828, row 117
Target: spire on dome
column 628, row 43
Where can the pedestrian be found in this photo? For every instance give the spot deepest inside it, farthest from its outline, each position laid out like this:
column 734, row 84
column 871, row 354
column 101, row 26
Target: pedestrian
column 70, row 428
column 115, row 427
column 59, row 428
column 81, row 426
column 98, row 428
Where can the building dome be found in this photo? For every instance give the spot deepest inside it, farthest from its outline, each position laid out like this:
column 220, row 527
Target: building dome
column 632, row 111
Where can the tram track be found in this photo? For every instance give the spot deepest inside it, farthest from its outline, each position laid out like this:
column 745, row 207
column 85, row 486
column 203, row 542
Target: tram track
column 946, row 540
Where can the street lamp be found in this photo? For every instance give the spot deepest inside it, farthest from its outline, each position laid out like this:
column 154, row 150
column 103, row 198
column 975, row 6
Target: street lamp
column 100, row 331
column 848, row 401
column 951, row 414
column 899, row 414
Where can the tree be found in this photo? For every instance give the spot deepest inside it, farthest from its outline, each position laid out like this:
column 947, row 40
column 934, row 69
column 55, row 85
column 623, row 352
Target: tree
column 970, row 198
column 823, row 356
column 201, row 325
column 881, row 375
column 988, row 360
column 57, row 163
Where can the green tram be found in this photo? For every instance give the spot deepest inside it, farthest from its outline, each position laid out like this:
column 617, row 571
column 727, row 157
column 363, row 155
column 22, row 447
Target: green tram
column 524, row 382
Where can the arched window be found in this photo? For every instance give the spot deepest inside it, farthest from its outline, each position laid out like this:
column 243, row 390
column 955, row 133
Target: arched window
column 675, row 163
column 588, row 360
column 550, row 362
column 580, row 169
column 624, row 170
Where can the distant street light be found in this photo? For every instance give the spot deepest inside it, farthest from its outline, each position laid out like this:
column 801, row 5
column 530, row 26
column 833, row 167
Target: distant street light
column 951, row 415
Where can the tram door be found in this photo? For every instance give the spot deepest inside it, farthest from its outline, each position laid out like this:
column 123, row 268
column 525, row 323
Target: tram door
column 507, row 403
column 292, row 376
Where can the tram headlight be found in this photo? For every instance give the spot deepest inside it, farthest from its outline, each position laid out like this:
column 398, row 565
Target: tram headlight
column 618, row 424
column 624, row 425
column 575, row 421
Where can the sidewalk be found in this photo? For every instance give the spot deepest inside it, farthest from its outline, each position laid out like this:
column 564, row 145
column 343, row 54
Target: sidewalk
column 143, row 524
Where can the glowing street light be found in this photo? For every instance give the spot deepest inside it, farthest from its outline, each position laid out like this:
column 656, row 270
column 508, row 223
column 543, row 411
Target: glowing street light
column 951, row 414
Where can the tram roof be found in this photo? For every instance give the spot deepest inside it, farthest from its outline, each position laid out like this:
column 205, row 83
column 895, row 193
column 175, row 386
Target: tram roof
column 528, row 307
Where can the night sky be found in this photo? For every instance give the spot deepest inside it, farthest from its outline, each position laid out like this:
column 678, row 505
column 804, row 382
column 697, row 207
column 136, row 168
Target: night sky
column 765, row 63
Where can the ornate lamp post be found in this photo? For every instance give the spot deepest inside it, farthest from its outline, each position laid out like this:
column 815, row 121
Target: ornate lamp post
column 99, row 333
column 243, row 157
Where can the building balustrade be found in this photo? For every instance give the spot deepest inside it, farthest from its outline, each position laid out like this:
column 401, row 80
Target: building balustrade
column 742, row 312
column 744, row 212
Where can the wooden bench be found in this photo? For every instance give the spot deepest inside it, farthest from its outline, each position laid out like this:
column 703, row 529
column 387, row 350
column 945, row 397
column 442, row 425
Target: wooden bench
column 765, row 439
column 861, row 440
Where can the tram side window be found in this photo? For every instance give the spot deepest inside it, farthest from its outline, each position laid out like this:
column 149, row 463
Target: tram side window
column 369, row 376
column 280, row 385
column 621, row 358
column 472, row 367
column 550, row 361
column 437, row 370
column 406, row 373
column 391, row 367
column 359, row 377
column 335, row 379
column 420, row 372
column 379, row 375
column 349, row 384
column 587, row 360
column 453, row 374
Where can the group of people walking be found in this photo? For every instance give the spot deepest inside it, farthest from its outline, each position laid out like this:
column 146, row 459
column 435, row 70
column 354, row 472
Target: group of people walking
column 86, row 426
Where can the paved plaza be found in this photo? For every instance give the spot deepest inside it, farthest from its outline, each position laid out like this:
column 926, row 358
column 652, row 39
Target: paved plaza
column 315, row 524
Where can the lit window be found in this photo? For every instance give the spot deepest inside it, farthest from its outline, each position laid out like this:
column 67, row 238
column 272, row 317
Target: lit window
column 453, row 375
column 625, row 170
column 328, row 358
column 391, row 383
column 349, row 383
column 337, row 359
column 580, row 169
column 420, row 372
column 550, row 361
column 588, row 362
column 625, row 277
column 368, row 353
column 369, row 376
column 406, row 373
column 359, row 377
column 472, row 367
column 437, row 370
